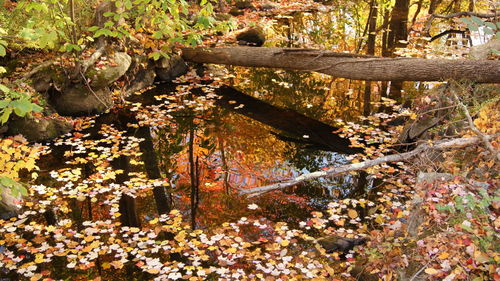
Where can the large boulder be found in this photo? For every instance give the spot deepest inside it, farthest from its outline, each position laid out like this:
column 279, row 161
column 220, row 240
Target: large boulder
column 167, row 69
column 79, row 101
column 101, row 77
column 38, row 129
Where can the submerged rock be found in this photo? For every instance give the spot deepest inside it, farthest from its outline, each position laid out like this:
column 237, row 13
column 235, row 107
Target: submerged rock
column 80, row 101
column 251, row 37
column 38, row 129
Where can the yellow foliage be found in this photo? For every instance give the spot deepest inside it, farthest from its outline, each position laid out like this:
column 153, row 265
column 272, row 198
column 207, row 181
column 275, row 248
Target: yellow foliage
column 489, row 118
column 16, row 154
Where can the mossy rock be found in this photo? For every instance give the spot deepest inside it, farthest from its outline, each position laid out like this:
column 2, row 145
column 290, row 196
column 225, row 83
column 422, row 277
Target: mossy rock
column 141, row 74
column 46, row 76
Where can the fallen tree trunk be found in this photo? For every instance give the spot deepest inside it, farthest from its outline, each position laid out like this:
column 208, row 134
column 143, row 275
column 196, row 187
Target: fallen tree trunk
column 442, row 145
column 350, row 66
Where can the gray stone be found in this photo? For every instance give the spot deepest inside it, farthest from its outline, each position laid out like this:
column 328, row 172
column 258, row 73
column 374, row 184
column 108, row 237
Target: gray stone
column 79, row 101
column 37, row 129
column 102, row 77
column 171, row 68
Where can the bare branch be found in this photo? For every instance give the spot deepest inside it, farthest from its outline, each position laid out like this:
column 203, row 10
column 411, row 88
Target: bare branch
column 454, row 15
column 440, row 145
column 473, row 127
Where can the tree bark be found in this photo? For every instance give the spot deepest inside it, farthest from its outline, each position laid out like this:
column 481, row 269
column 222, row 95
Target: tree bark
column 350, row 66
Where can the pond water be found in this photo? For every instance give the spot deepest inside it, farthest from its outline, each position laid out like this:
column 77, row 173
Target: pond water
column 208, row 139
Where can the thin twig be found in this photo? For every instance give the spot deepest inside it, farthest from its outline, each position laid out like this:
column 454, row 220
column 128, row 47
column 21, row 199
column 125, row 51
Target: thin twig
column 92, row 91
column 421, row 269
column 473, row 127
column 440, row 145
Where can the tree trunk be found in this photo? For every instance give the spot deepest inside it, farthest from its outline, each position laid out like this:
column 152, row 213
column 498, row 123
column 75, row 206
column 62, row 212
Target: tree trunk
column 398, row 26
column 350, row 66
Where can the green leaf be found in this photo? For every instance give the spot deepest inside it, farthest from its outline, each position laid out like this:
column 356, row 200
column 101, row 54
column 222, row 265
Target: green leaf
column 155, row 55
column 473, row 27
column 5, row 115
column 488, row 31
column 477, row 20
column 157, row 34
column 36, row 108
column 4, row 103
column 3, row 51
column 128, row 4
column 7, row 182
column 490, row 25
column 469, row 23
column 21, row 107
column 108, row 14
column 93, row 28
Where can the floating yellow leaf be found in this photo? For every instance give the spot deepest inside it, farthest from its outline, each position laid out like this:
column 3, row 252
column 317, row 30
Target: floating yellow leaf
column 106, row 265
column 153, row 271
column 39, row 258
column 284, row 243
column 352, row 213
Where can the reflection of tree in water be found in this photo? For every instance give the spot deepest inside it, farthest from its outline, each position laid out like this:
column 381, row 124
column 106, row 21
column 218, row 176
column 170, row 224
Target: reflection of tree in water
column 314, row 95
column 326, row 188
